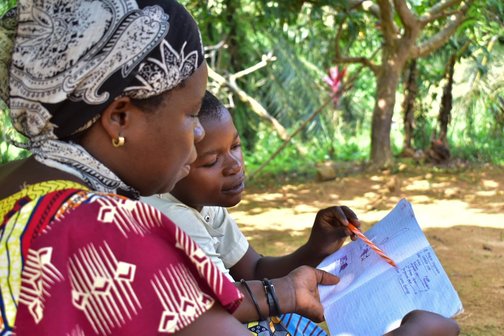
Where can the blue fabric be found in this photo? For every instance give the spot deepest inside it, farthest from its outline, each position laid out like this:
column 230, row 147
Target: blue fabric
column 298, row 325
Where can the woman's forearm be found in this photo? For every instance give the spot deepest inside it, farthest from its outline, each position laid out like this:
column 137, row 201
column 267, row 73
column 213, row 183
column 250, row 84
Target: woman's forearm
column 216, row 316
column 247, row 310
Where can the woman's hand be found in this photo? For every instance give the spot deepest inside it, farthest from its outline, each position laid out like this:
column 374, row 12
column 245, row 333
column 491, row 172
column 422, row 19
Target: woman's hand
column 330, row 230
column 304, row 281
column 425, row 323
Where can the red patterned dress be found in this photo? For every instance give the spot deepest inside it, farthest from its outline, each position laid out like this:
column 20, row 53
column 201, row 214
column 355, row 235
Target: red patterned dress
column 74, row 262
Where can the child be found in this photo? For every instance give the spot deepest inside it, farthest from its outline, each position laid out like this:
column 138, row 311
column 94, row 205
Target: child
column 216, row 180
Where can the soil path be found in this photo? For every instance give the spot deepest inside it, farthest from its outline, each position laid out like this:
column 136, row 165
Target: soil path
column 461, row 212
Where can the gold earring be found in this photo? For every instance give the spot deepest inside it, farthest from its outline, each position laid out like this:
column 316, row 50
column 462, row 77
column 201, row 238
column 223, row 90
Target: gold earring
column 118, row 142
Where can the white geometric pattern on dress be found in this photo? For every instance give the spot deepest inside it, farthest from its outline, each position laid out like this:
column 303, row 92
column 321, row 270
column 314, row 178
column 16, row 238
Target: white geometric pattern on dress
column 182, row 299
column 128, row 216
column 39, row 275
column 101, row 288
column 204, row 265
column 77, row 331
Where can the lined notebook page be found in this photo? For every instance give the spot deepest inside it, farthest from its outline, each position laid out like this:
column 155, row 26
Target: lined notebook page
column 372, row 296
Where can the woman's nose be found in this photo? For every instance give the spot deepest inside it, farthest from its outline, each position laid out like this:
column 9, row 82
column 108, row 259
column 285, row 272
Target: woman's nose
column 199, row 131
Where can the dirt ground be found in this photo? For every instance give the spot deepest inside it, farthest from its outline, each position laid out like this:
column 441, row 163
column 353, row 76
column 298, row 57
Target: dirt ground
column 460, row 210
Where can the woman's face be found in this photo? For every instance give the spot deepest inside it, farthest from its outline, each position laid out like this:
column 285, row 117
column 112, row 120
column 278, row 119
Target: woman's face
column 165, row 142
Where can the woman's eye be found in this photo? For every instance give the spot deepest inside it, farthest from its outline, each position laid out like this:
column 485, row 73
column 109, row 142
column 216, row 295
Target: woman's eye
column 193, row 113
column 236, row 146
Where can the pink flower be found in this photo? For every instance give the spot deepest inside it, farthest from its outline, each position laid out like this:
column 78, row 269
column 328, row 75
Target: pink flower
column 335, row 80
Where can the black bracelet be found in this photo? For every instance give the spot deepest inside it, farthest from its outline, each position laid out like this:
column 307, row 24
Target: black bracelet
column 269, row 289
column 245, row 284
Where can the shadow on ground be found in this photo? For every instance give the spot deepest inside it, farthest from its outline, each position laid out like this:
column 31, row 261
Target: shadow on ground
column 461, row 212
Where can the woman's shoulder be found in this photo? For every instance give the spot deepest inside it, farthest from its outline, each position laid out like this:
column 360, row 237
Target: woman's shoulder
column 33, row 202
column 58, row 208
column 111, row 213
column 16, row 176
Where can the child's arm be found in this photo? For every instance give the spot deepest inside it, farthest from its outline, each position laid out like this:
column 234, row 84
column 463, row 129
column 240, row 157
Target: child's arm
column 328, row 235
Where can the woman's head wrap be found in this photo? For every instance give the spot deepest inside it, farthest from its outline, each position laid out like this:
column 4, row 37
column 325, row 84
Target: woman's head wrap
column 72, row 58
column 7, row 33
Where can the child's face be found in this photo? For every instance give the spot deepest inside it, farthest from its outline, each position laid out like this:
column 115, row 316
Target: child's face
column 217, row 176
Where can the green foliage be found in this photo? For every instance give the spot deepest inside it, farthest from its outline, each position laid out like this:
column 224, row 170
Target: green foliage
column 481, row 149
column 295, row 86
column 290, row 162
column 301, row 35
column 8, row 152
column 301, row 38
column 478, row 127
column 424, row 130
column 6, row 5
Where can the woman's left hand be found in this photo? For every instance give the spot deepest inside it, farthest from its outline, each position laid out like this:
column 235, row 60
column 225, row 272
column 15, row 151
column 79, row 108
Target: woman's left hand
column 331, row 229
column 304, row 282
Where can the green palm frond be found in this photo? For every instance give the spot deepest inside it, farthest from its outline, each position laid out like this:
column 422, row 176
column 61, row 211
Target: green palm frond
column 481, row 103
column 294, row 87
column 6, row 5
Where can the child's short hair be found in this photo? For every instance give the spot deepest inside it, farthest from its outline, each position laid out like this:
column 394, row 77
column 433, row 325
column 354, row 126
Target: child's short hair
column 211, row 107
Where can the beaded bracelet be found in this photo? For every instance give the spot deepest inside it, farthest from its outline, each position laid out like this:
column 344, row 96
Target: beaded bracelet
column 245, row 284
column 271, row 297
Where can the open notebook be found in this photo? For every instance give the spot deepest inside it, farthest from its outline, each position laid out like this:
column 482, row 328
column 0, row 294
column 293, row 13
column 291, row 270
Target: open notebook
column 372, row 296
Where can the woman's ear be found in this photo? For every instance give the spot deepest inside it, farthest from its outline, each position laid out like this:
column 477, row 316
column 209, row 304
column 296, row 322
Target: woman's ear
column 117, row 117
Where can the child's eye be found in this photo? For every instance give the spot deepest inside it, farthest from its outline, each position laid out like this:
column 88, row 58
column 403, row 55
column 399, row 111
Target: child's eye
column 210, row 164
column 236, row 146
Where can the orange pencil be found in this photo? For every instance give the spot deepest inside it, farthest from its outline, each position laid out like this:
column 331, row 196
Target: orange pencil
column 371, row 244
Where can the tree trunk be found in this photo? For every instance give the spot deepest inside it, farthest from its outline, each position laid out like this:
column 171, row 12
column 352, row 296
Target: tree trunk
column 409, row 107
column 232, row 40
column 439, row 152
column 387, row 81
column 499, row 118
column 446, row 101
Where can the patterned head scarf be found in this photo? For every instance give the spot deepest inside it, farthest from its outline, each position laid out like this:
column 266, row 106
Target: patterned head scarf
column 72, row 58
column 7, row 32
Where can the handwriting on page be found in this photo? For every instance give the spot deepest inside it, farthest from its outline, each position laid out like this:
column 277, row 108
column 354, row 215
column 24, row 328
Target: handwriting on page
column 416, row 276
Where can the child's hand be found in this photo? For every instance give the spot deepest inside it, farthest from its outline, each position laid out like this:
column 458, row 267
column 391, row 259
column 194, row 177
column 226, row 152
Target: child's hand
column 330, row 230
column 424, row 323
column 304, row 280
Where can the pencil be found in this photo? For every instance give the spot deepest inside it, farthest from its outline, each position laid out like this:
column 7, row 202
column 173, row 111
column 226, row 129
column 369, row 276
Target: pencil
column 375, row 248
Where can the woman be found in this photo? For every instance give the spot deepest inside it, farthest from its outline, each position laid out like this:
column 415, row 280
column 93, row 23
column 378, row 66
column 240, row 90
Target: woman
column 101, row 90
